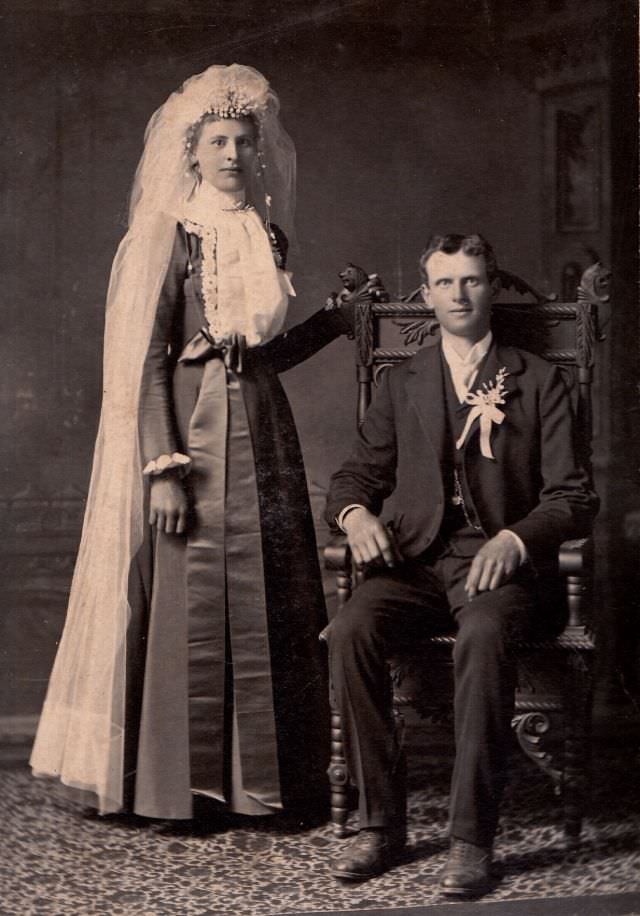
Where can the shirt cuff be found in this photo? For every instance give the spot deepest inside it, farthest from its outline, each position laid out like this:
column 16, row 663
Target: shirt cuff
column 177, row 461
column 343, row 514
column 524, row 556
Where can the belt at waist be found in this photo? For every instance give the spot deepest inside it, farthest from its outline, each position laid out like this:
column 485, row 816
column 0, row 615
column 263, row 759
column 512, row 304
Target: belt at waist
column 203, row 347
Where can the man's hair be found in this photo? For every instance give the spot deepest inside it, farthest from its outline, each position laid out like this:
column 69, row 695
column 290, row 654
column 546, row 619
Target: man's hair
column 474, row 245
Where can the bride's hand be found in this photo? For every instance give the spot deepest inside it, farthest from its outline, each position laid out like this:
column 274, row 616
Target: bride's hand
column 358, row 287
column 168, row 505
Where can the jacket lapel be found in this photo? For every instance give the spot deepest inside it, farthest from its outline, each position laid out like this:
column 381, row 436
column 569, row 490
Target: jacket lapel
column 498, row 358
column 425, row 391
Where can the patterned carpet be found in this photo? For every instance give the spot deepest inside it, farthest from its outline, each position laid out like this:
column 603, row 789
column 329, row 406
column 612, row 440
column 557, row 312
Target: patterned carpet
column 55, row 862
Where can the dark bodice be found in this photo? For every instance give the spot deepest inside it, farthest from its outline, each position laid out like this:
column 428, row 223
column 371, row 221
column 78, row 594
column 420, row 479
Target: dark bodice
column 180, row 318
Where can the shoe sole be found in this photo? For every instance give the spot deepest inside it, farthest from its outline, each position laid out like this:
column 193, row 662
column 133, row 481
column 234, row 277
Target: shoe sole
column 393, row 858
column 465, row 891
column 350, row 876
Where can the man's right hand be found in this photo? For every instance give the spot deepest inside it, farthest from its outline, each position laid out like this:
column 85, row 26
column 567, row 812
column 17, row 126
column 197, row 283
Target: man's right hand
column 168, row 505
column 368, row 538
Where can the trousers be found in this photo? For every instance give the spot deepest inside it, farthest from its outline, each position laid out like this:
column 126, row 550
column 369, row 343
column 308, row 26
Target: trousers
column 394, row 606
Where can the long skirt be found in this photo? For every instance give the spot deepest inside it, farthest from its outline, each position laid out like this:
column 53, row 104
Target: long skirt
column 226, row 677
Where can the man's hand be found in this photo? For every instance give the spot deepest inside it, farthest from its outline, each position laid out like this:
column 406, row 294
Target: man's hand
column 493, row 564
column 368, row 538
column 168, row 504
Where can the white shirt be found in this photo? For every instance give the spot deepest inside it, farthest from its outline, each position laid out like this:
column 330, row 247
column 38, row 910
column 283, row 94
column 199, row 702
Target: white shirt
column 464, row 369
column 463, row 373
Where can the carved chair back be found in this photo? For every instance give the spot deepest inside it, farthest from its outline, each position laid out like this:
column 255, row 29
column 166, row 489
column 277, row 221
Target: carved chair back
column 563, row 333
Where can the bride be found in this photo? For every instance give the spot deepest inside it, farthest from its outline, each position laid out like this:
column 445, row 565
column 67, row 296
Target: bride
column 190, row 662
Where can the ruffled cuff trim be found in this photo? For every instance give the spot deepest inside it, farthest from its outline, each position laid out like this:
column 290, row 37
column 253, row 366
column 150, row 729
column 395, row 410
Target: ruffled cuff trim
column 176, row 461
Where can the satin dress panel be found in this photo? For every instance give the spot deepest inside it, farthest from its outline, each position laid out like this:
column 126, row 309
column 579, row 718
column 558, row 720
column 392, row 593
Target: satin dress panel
column 227, row 679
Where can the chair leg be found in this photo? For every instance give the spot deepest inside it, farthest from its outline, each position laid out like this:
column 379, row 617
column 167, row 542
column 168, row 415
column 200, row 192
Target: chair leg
column 338, row 777
column 577, row 743
column 399, row 826
column 338, row 774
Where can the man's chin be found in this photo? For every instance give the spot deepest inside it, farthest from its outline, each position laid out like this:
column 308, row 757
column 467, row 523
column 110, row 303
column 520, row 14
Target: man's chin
column 466, row 326
column 466, row 329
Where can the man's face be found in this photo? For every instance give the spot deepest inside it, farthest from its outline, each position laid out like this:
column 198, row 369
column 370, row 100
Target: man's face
column 460, row 292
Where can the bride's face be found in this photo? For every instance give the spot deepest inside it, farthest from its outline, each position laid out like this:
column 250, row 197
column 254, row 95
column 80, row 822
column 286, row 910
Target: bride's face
column 226, row 153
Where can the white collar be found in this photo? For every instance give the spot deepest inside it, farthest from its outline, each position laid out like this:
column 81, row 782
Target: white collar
column 207, row 200
column 475, row 355
column 464, row 369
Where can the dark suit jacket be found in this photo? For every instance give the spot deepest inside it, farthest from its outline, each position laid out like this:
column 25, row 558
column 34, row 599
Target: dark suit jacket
column 535, row 486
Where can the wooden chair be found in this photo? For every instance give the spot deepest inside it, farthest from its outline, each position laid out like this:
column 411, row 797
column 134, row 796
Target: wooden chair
column 553, row 698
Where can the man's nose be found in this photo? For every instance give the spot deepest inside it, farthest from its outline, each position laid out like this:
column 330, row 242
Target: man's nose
column 459, row 291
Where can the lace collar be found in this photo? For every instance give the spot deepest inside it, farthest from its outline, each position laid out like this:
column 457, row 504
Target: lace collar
column 207, row 202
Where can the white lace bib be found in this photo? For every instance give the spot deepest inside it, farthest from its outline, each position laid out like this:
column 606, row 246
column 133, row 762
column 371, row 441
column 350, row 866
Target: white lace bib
column 243, row 290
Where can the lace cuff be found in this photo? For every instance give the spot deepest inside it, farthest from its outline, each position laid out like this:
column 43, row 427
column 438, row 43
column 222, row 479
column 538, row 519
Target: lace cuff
column 176, row 461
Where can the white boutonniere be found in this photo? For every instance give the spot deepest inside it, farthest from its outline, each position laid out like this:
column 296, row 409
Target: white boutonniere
column 484, row 404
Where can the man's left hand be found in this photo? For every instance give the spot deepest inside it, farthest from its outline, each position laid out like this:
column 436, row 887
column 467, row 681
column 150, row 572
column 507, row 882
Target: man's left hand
column 493, row 564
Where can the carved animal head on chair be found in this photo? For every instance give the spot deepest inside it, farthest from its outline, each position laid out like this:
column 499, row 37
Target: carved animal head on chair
column 595, row 284
column 353, row 277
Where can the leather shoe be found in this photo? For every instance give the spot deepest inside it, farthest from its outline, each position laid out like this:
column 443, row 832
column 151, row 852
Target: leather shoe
column 468, row 869
column 367, row 855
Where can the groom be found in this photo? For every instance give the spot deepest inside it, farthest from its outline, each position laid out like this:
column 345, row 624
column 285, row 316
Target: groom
column 476, row 440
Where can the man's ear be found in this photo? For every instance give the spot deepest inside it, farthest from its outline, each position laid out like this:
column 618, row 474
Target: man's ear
column 426, row 292
column 496, row 286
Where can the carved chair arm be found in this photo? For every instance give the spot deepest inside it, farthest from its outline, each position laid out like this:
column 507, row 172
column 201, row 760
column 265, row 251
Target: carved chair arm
column 337, row 558
column 575, row 558
column 575, row 563
column 337, row 555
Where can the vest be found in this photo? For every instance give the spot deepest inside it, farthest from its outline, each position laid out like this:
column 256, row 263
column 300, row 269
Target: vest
column 454, row 523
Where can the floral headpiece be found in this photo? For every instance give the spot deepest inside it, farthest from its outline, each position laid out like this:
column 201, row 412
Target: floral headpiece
column 226, row 92
column 165, row 177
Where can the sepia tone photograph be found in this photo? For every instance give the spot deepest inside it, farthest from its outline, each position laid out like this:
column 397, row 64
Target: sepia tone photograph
column 320, row 465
